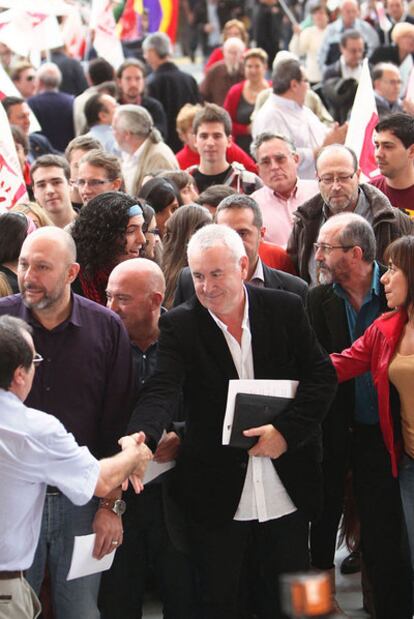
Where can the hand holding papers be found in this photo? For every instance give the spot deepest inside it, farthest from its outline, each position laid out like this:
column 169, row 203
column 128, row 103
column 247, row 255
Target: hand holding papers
column 83, row 563
column 252, row 406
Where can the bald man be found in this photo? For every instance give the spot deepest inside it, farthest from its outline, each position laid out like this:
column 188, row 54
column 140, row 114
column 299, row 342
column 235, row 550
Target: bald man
column 86, row 381
column 135, row 292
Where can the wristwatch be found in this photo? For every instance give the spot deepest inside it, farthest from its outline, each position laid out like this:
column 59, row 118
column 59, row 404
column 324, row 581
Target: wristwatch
column 117, row 506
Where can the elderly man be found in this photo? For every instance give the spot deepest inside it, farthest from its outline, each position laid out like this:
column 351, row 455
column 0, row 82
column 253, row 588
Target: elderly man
column 224, row 74
column 348, row 20
column 141, row 144
column 50, row 176
column 168, row 84
column 239, row 501
column 53, row 109
column 387, row 85
column 340, row 310
column 36, row 450
column 394, row 152
column 283, row 191
column 86, row 382
column 284, row 113
column 152, row 532
column 130, row 79
column 338, row 175
column 396, row 12
column 98, row 172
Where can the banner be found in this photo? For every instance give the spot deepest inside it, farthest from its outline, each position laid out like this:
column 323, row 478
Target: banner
column 12, row 186
column 105, row 40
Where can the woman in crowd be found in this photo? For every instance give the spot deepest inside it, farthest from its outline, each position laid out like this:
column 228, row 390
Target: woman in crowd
column 107, row 232
column 153, row 246
column 184, row 183
column 164, row 198
column 241, row 97
column 178, row 230
column 306, row 42
column 387, row 350
column 232, row 28
column 35, row 212
column 14, row 227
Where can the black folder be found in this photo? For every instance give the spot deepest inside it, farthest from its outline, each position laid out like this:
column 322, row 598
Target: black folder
column 251, row 411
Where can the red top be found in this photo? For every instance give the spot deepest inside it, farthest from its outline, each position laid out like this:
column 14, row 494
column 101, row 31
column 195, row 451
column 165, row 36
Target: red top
column 400, row 198
column 215, row 56
column 231, row 103
column 187, row 157
column 373, row 352
column 276, row 257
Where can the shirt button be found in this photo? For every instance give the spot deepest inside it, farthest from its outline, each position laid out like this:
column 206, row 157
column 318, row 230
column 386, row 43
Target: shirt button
column 144, row 356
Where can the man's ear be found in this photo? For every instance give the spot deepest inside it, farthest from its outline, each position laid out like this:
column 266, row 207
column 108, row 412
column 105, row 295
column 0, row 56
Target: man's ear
column 73, row 271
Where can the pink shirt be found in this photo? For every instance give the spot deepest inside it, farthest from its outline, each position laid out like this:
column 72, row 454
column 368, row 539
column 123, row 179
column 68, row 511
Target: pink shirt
column 277, row 210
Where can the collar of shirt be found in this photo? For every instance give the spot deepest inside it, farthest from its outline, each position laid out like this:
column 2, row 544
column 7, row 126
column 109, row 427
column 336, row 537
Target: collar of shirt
column 374, row 289
column 390, row 105
column 286, row 103
column 257, row 278
column 291, row 195
column 349, row 72
column 74, row 317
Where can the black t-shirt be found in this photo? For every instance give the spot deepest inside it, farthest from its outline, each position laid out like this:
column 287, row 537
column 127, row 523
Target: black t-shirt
column 203, row 181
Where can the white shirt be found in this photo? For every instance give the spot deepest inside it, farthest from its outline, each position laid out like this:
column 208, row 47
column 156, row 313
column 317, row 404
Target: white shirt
column 296, row 122
column 348, row 72
column 129, row 167
column 35, row 451
column 263, row 497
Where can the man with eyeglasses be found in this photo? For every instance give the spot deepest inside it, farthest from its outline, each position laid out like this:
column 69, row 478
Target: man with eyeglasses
column 86, row 381
column 386, row 80
column 394, row 152
column 283, row 191
column 348, row 300
column 98, row 173
column 340, row 191
column 50, row 176
column 35, row 450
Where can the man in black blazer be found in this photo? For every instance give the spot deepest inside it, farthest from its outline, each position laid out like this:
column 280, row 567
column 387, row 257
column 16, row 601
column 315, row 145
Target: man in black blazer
column 340, row 310
column 235, row 502
column 243, row 214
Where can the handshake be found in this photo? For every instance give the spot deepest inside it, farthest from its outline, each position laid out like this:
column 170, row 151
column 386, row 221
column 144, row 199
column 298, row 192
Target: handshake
column 138, row 455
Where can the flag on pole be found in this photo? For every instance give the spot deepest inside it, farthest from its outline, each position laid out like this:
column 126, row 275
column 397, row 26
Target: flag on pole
column 362, row 122
column 145, row 16
column 12, row 185
column 105, row 41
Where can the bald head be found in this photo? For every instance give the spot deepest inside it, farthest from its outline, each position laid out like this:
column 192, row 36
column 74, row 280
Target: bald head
column 349, row 13
column 135, row 292
column 46, row 271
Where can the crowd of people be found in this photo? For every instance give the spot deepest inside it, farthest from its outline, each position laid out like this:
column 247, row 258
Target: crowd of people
column 179, row 235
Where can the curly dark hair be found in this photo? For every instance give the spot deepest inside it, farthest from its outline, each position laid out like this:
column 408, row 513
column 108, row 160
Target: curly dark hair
column 100, row 229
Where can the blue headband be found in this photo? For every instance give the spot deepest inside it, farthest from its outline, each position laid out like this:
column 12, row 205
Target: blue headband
column 135, row 210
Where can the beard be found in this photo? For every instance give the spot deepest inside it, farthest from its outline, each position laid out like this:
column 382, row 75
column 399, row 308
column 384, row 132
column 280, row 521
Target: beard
column 47, row 301
column 324, row 275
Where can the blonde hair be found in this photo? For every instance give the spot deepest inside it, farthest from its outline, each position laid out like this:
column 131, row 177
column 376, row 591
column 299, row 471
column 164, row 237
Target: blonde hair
column 5, row 288
column 401, row 30
column 256, row 52
column 235, row 23
column 185, row 117
column 37, row 210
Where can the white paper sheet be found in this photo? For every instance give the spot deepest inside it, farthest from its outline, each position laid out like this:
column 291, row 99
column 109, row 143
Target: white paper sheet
column 281, row 388
column 155, row 469
column 83, row 563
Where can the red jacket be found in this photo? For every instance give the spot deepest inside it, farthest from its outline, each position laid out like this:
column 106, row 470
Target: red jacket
column 231, row 103
column 187, row 157
column 373, row 352
column 215, row 56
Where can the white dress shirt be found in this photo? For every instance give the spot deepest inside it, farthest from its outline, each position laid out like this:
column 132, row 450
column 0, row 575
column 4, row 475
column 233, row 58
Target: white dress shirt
column 35, row 450
column 263, row 497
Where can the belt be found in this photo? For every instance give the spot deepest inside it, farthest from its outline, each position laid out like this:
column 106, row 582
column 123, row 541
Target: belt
column 11, row 575
column 53, row 490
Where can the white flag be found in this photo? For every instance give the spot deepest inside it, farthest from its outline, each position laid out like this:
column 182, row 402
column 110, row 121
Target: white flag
column 362, row 122
column 12, row 185
column 105, row 41
column 8, row 89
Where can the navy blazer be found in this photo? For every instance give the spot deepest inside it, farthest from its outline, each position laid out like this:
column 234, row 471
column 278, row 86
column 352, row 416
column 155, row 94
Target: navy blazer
column 193, row 355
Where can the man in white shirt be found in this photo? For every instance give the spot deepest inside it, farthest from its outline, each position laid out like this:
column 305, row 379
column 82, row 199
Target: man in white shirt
column 36, row 450
column 284, row 113
column 283, row 191
column 239, row 503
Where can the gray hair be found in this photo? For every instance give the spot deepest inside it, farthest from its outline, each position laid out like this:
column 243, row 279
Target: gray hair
column 216, row 235
column 160, row 43
column 241, row 201
column 49, row 75
column 137, row 120
column 284, row 72
column 354, row 230
column 267, row 136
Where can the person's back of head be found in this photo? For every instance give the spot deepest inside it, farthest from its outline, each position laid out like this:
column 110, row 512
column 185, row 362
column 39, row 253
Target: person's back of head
column 160, row 43
column 49, row 76
column 284, row 73
column 99, row 71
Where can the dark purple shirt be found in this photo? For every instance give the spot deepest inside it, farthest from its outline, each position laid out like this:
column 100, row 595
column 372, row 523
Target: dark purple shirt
column 86, row 378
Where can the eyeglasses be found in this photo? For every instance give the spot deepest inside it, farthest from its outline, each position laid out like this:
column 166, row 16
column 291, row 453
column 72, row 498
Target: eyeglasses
column 327, row 249
column 154, row 231
column 37, row 359
column 92, row 182
column 330, row 180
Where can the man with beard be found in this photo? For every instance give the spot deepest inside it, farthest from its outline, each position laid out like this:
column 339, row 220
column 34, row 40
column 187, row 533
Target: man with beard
column 350, row 298
column 224, row 74
column 86, row 382
column 340, row 191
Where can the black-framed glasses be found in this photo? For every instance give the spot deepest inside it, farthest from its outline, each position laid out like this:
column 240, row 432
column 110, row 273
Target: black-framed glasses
column 37, row 359
column 330, row 180
column 154, row 231
column 327, row 249
column 92, row 182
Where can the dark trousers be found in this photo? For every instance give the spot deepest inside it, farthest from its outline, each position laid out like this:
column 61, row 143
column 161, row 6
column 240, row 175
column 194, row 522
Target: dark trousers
column 147, row 546
column 383, row 536
column 227, row 556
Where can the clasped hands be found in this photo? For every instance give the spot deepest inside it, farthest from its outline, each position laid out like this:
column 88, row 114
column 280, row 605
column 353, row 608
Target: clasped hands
column 136, row 441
